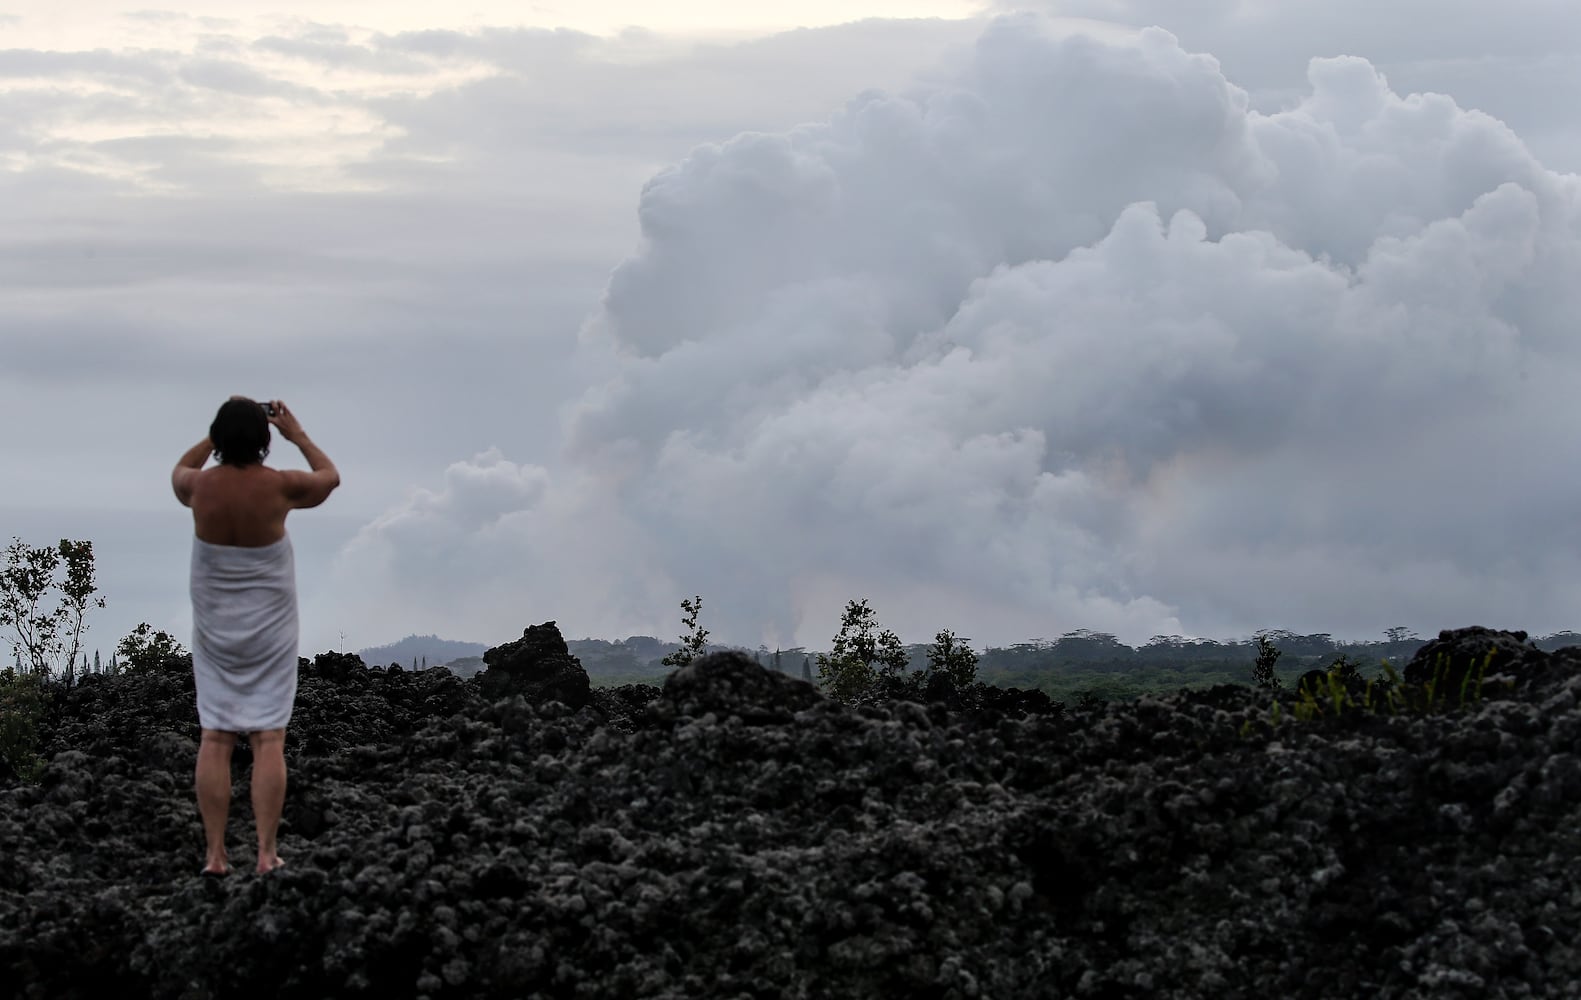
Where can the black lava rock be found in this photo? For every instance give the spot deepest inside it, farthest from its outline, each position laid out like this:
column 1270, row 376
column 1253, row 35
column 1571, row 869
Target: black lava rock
column 732, row 684
column 741, row 836
column 1458, row 654
column 537, row 666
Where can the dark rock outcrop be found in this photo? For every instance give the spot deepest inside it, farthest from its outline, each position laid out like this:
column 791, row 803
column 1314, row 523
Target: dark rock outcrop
column 1454, row 660
column 1015, row 703
column 539, row 667
column 732, row 684
column 1313, row 682
column 624, row 707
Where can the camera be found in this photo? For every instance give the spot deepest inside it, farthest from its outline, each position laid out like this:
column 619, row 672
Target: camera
column 268, row 409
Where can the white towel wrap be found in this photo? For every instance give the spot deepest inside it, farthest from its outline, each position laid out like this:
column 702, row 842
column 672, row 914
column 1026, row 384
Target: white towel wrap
column 244, row 635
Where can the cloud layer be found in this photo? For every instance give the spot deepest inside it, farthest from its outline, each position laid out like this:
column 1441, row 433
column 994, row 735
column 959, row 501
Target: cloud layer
column 1079, row 328
column 1076, row 339
column 398, row 230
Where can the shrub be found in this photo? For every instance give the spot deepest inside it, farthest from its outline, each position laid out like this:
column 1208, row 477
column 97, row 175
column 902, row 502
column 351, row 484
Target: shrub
column 1263, row 670
column 146, row 650
column 695, row 642
column 22, row 705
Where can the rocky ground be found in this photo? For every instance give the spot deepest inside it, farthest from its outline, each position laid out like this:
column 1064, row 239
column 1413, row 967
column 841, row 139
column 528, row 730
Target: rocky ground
column 740, row 836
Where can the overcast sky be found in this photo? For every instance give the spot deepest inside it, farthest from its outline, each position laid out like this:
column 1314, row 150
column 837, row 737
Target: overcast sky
column 1144, row 317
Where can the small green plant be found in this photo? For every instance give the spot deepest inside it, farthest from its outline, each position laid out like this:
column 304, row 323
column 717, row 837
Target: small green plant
column 1263, row 670
column 1470, row 688
column 22, row 706
column 1394, row 695
column 694, row 642
column 1476, row 692
column 1330, row 692
column 1306, row 707
column 1435, row 684
column 1339, row 695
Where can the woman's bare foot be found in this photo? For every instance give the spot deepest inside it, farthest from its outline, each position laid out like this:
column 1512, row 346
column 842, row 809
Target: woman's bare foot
column 217, row 864
column 267, row 864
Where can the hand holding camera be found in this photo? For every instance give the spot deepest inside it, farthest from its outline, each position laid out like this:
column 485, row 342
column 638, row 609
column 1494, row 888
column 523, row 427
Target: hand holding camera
column 284, row 420
column 281, row 417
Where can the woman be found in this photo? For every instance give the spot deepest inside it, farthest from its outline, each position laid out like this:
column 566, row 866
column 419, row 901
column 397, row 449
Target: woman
column 244, row 616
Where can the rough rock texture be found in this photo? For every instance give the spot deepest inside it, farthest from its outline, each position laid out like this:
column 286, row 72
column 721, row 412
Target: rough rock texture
column 724, row 683
column 1459, row 654
column 748, row 839
column 1312, row 681
column 539, row 667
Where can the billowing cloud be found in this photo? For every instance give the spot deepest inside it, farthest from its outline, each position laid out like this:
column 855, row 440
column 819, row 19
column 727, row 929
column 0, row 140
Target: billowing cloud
column 492, row 547
column 1081, row 338
column 1517, row 62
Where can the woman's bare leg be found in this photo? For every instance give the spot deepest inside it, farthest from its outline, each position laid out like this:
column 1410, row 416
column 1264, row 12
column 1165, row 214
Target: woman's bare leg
column 213, row 784
column 268, row 782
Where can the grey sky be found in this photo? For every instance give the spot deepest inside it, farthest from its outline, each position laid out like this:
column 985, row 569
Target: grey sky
column 1015, row 326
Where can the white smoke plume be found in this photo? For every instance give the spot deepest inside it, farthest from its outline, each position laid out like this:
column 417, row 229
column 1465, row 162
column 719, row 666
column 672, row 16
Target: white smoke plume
column 1077, row 340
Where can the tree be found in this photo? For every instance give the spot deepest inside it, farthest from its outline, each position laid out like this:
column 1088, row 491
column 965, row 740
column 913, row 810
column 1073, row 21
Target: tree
column 950, row 657
column 1263, row 670
column 29, row 574
column 864, row 658
column 1345, row 670
column 146, row 650
column 43, row 634
column 1087, row 646
column 77, row 592
column 694, row 642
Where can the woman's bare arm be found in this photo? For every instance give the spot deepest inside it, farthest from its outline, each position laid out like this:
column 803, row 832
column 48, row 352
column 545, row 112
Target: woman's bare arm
column 186, row 470
column 305, row 489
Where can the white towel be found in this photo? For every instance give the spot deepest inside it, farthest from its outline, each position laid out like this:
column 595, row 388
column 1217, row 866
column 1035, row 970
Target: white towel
column 244, row 635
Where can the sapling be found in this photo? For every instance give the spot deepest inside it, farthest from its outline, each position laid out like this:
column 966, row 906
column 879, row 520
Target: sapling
column 695, row 642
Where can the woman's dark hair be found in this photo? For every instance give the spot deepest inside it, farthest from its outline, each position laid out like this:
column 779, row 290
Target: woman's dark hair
column 240, row 433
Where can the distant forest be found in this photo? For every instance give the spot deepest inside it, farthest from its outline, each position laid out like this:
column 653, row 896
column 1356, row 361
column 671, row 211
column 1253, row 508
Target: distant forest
column 414, row 651
column 1078, row 664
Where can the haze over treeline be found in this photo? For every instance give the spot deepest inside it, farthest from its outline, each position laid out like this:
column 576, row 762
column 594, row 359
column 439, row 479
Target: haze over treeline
column 643, row 654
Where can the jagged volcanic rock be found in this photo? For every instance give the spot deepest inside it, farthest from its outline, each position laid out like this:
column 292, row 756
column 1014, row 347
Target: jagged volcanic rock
column 733, row 685
column 1179, row 846
column 537, row 666
column 1458, row 654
